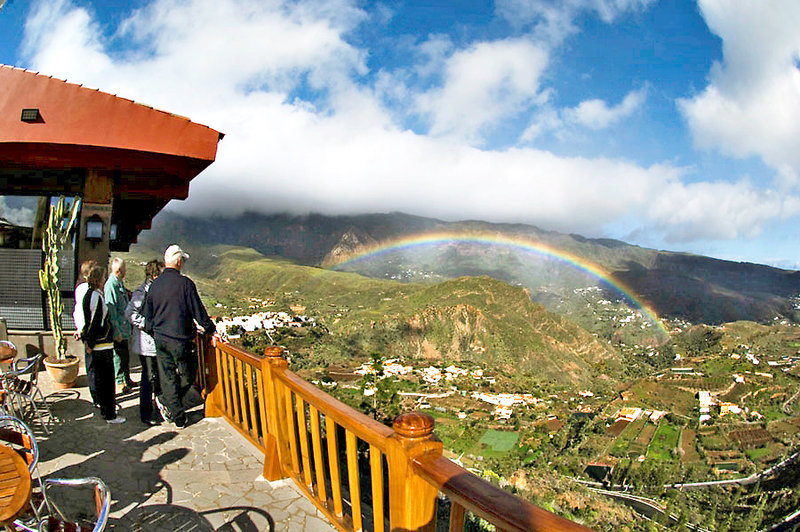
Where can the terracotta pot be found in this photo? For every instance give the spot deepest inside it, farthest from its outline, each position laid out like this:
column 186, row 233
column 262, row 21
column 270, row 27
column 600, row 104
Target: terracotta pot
column 63, row 372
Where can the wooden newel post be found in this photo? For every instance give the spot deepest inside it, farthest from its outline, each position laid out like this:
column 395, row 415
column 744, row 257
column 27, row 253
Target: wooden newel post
column 412, row 499
column 212, row 387
column 276, row 434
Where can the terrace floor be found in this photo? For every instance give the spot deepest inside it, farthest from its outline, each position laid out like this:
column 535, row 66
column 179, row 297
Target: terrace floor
column 202, row 478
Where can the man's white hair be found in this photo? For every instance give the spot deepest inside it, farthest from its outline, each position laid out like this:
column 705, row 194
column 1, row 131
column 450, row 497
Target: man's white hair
column 116, row 263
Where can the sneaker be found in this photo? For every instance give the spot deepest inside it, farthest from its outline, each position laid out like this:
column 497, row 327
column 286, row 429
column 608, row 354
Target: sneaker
column 116, row 421
column 162, row 409
column 150, row 422
column 182, row 425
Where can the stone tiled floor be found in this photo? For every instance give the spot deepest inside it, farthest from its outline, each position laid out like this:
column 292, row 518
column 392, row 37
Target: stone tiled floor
column 204, row 477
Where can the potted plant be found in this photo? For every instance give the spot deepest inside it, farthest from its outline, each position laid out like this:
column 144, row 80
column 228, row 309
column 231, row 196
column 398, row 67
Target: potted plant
column 62, row 367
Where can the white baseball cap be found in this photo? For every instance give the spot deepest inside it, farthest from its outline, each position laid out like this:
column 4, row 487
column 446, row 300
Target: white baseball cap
column 173, row 253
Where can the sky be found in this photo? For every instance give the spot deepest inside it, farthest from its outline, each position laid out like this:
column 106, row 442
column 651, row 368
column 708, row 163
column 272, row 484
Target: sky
column 668, row 124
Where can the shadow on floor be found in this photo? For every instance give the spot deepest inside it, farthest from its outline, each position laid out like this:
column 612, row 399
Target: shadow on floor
column 170, row 517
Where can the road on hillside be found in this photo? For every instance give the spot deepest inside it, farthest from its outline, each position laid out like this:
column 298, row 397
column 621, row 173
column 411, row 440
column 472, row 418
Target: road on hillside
column 744, row 481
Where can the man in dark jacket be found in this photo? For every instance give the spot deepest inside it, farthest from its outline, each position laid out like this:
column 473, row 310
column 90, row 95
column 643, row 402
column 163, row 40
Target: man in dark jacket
column 173, row 314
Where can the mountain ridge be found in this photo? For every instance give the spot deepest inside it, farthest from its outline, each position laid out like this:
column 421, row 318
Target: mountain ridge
column 674, row 284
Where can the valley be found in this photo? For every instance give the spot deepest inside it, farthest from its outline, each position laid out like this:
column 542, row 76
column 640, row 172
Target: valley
column 530, row 398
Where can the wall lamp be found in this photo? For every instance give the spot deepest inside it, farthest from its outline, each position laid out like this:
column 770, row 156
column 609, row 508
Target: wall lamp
column 94, row 229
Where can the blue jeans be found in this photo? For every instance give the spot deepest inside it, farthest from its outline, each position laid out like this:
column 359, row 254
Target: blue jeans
column 91, row 376
column 148, row 387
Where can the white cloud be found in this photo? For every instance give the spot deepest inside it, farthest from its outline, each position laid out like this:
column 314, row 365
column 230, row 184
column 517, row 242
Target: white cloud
column 718, row 210
column 484, row 84
column 198, row 53
column 591, row 114
column 752, row 103
column 596, row 114
column 304, row 133
column 554, row 21
column 22, row 212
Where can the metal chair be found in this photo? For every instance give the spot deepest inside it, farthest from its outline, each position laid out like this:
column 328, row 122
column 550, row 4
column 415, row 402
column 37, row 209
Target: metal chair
column 57, row 519
column 20, row 389
column 47, row 514
column 17, row 435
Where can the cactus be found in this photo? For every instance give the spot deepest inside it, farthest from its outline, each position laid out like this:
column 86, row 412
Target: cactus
column 55, row 236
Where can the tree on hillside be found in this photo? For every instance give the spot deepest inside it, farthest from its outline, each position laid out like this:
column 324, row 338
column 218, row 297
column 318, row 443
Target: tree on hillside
column 379, row 394
column 699, row 340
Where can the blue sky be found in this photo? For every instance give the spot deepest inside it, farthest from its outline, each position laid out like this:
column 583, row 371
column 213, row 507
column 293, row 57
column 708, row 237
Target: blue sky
column 671, row 124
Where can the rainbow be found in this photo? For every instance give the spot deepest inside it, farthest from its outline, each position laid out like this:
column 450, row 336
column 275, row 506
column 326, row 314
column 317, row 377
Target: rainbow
column 504, row 240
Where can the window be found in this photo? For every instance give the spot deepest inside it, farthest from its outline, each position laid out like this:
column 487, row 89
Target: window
column 22, row 220
column 22, row 224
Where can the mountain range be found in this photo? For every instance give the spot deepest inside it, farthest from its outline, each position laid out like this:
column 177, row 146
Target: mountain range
column 553, row 266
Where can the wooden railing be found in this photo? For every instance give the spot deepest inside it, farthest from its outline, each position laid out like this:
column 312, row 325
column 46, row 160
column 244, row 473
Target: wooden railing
column 361, row 474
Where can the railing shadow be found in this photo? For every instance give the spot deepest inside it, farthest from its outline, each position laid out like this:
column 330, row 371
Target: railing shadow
column 83, row 445
column 245, row 519
column 172, row 517
column 163, row 517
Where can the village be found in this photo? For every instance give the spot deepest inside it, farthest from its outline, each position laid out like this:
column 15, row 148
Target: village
column 706, row 412
column 232, row 327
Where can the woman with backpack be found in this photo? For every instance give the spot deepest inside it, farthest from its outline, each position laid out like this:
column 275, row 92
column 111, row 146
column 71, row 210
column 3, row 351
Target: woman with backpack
column 98, row 339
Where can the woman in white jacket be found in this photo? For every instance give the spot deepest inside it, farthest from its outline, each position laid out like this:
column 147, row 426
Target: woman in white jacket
column 143, row 344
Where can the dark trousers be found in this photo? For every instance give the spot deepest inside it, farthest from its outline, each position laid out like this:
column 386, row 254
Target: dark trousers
column 177, row 368
column 91, row 375
column 148, row 387
column 102, row 370
column 122, row 362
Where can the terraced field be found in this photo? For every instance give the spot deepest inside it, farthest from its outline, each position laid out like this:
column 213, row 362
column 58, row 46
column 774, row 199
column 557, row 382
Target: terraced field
column 688, row 450
column 664, row 442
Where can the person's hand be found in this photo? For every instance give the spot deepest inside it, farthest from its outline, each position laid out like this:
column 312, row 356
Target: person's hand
column 76, row 335
column 118, row 339
column 88, row 349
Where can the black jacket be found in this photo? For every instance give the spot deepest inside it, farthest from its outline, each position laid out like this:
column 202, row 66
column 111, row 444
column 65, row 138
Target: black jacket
column 97, row 332
column 172, row 306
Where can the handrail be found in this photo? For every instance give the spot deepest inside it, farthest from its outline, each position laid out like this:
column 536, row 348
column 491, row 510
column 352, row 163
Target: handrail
column 330, row 450
column 487, row 500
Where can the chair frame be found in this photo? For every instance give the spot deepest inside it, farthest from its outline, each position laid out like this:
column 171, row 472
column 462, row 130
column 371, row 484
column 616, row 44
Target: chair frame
column 15, row 431
column 11, row 380
column 102, row 499
column 10, row 426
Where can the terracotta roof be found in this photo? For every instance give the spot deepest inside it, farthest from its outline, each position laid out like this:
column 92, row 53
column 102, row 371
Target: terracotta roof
column 152, row 155
column 73, row 114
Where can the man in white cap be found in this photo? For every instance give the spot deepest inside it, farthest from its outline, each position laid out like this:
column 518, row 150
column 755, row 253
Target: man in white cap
column 173, row 313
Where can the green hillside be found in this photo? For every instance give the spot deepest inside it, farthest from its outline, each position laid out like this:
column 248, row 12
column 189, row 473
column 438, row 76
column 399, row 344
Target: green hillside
column 469, row 319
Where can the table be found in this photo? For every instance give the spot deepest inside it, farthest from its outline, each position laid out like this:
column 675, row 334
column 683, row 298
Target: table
column 15, row 485
column 7, row 351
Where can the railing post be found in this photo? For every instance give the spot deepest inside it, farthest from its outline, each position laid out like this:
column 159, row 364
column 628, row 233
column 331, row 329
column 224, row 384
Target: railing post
column 412, row 500
column 212, row 390
column 276, row 434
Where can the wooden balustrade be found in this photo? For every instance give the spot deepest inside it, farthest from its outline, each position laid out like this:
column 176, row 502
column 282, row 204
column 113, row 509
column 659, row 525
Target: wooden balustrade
column 361, row 474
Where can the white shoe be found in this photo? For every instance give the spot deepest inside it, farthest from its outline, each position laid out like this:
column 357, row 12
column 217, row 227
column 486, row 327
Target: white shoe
column 116, row 421
column 163, row 409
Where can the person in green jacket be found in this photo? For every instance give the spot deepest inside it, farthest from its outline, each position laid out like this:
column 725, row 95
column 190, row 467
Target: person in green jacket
column 116, row 296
